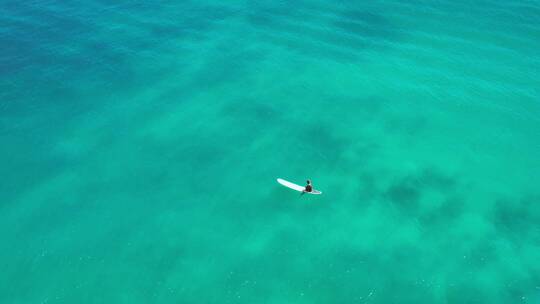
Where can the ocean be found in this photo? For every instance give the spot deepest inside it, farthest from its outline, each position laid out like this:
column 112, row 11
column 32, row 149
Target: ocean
column 141, row 142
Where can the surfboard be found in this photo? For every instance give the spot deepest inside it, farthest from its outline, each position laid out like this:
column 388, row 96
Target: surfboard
column 296, row 187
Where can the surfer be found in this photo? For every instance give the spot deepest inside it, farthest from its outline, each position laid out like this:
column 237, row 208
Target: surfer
column 302, row 189
column 309, row 188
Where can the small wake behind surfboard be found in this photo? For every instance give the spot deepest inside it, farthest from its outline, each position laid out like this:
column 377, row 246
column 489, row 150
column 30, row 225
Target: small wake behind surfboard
column 296, row 187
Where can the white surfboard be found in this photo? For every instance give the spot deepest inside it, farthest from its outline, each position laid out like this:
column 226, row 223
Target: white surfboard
column 296, row 187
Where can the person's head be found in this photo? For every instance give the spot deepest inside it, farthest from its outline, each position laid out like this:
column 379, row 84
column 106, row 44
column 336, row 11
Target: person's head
column 308, row 182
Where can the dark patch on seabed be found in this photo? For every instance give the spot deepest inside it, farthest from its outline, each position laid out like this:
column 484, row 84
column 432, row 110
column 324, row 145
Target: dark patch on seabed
column 447, row 212
column 261, row 112
column 406, row 193
column 324, row 32
column 518, row 219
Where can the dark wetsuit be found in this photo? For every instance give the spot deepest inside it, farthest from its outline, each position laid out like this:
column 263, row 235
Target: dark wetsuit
column 309, row 188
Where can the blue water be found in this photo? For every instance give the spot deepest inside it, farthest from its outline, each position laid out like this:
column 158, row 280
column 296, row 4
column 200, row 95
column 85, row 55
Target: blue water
column 140, row 143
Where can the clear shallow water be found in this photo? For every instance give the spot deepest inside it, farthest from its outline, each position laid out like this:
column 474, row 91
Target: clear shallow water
column 141, row 142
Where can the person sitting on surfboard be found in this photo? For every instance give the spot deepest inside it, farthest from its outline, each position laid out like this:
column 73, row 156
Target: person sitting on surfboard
column 309, row 188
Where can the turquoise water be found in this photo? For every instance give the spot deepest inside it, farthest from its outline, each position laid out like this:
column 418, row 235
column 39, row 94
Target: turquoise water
column 141, row 143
